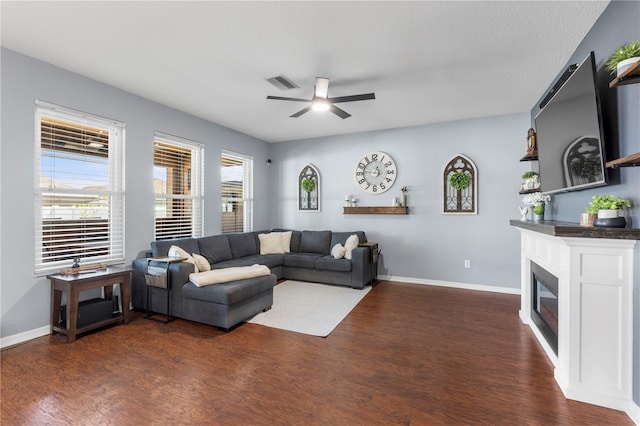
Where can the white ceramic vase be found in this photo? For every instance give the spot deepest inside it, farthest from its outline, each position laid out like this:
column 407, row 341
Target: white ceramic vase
column 608, row 214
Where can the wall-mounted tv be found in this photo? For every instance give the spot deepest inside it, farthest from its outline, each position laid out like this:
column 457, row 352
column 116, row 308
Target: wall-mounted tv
column 571, row 152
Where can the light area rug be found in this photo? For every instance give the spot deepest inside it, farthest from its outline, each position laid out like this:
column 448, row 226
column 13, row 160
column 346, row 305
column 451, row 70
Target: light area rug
column 309, row 308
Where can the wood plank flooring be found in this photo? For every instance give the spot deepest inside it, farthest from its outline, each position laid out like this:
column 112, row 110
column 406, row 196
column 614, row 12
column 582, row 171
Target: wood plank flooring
column 407, row 354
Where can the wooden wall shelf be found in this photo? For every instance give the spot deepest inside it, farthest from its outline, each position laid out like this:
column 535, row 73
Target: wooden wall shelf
column 628, row 161
column 376, row 210
column 630, row 76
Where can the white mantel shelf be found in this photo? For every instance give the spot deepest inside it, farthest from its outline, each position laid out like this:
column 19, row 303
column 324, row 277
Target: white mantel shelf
column 594, row 267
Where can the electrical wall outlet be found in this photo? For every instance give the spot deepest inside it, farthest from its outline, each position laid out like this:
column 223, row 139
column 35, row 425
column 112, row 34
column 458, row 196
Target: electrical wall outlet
column 467, row 264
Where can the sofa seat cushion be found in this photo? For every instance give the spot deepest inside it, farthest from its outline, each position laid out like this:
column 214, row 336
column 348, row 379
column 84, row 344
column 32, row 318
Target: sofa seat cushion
column 229, row 293
column 301, row 260
column 270, row 260
column 329, row 263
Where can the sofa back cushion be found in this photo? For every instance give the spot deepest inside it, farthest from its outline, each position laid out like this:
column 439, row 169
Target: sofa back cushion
column 243, row 244
column 341, row 237
column 315, row 242
column 161, row 247
column 215, row 248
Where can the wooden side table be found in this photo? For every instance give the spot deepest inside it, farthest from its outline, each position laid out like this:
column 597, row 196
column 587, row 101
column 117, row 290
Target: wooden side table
column 73, row 284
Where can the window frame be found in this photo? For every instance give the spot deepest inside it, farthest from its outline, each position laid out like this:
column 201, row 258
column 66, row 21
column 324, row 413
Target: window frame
column 196, row 181
column 51, row 252
column 247, row 192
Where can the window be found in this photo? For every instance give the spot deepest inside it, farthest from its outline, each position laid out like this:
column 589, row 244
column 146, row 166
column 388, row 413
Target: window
column 237, row 192
column 177, row 185
column 79, row 189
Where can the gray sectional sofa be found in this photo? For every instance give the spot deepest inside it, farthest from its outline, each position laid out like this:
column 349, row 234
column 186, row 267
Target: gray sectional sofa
column 225, row 305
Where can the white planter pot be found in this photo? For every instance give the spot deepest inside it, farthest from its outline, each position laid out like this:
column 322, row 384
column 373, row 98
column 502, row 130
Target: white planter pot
column 623, row 65
column 608, row 214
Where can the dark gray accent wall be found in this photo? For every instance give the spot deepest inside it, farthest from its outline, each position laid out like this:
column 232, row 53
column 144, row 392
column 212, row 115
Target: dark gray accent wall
column 619, row 24
column 25, row 298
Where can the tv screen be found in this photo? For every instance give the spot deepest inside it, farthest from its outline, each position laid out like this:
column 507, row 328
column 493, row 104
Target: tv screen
column 569, row 134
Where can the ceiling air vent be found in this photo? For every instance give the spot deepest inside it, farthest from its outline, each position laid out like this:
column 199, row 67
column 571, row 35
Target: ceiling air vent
column 282, row 83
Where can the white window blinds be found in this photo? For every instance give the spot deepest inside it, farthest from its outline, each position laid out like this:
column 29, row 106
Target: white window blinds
column 237, row 192
column 79, row 189
column 178, row 188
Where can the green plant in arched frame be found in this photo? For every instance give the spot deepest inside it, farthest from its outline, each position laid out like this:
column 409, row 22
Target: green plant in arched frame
column 459, row 180
column 308, row 184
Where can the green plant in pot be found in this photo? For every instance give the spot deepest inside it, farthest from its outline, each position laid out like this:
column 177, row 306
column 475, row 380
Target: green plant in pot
column 308, row 184
column 459, row 180
column 623, row 57
column 607, row 202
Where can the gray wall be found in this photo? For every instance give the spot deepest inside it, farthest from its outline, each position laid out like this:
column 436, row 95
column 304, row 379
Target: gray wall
column 619, row 24
column 425, row 245
column 25, row 298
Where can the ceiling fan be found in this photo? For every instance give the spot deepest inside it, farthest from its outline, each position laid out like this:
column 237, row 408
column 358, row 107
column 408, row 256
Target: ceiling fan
column 320, row 101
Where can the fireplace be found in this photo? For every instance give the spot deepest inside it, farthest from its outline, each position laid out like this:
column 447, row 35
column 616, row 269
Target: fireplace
column 544, row 304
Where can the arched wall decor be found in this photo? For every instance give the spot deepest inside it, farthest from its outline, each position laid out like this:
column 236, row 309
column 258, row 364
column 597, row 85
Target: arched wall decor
column 460, row 200
column 309, row 201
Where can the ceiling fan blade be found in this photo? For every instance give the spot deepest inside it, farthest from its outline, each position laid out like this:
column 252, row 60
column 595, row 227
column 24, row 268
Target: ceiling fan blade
column 302, row 111
column 322, row 87
column 280, row 98
column 352, row 98
column 339, row 112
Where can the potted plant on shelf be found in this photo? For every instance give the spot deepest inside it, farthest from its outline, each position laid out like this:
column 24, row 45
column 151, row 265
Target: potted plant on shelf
column 623, row 57
column 537, row 201
column 608, row 207
column 531, row 180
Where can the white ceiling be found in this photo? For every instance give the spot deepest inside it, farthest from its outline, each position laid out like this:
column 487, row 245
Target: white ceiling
column 426, row 61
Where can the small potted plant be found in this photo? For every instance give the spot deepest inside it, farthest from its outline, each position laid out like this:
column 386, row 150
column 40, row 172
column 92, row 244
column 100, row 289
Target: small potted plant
column 623, row 57
column 607, row 206
column 537, row 201
column 531, row 180
column 403, row 199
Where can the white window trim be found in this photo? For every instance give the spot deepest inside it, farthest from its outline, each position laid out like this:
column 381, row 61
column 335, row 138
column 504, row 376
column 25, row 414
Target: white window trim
column 197, row 179
column 116, row 191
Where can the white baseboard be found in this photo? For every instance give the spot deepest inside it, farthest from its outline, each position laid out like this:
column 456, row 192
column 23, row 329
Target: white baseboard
column 466, row 286
column 24, row 336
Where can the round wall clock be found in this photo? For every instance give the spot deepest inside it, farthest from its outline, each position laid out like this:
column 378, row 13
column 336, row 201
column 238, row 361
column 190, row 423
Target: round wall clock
column 376, row 172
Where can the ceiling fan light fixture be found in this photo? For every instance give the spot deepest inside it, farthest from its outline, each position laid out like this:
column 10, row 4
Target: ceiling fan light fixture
column 320, row 104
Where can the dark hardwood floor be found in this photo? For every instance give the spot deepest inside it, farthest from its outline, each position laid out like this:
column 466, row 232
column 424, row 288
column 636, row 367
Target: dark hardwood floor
column 407, row 354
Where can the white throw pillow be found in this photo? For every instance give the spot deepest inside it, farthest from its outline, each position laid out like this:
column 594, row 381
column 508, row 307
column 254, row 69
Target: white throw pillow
column 286, row 241
column 271, row 243
column 201, row 262
column 338, row 251
column 351, row 243
column 175, row 251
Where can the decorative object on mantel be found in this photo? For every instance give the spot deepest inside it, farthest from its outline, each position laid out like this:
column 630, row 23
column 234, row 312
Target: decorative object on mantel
column 586, row 219
column 458, row 197
column 623, row 57
column 403, row 202
column 347, row 200
column 524, row 211
column 309, row 189
column 608, row 208
column 537, row 201
column 532, row 145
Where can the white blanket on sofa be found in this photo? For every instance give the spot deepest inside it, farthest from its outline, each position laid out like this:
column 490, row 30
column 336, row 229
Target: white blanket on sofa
column 225, row 275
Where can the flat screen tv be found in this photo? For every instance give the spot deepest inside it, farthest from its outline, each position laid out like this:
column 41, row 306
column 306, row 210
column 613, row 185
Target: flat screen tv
column 569, row 132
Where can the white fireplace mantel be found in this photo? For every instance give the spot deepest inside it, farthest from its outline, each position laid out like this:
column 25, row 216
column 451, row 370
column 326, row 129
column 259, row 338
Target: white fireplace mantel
column 595, row 307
